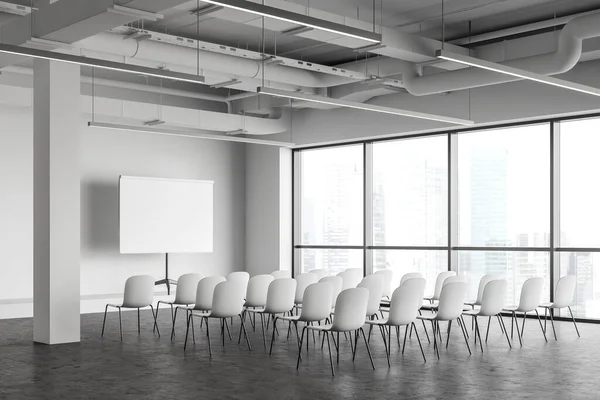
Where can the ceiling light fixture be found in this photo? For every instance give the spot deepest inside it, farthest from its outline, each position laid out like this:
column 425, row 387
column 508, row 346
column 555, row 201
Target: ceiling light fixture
column 202, row 11
column 299, row 19
column 154, row 122
column 102, row 64
column 132, row 12
column 516, row 72
column 297, row 31
column 237, row 132
column 371, row 47
column 187, row 132
column 361, row 106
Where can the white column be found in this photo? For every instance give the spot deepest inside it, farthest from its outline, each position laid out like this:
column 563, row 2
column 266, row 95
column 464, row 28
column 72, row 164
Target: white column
column 56, row 202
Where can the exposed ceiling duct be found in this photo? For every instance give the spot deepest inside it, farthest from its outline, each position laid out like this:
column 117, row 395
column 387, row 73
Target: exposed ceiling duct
column 566, row 56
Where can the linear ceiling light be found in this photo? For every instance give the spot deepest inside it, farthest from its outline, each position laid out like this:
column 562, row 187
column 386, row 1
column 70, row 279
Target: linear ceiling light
column 225, row 84
column 187, row 132
column 298, row 30
column 516, row 72
column 202, row 11
column 132, row 12
column 299, row 19
column 98, row 63
column 361, row 106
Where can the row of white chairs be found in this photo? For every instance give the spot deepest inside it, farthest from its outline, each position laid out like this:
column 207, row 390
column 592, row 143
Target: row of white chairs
column 276, row 297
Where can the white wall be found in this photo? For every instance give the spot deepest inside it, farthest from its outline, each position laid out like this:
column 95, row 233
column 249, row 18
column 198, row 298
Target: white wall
column 105, row 155
column 268, row 209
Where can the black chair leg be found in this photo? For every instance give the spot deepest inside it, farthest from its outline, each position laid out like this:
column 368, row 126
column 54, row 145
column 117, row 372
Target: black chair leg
column 368, row 348
column 574, row 323
column 330, row 358
column 541, row 327
column 120, row 324
column 104, row 321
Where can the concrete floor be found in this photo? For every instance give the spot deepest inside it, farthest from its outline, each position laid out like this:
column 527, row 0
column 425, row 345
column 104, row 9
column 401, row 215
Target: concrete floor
column 149, row 367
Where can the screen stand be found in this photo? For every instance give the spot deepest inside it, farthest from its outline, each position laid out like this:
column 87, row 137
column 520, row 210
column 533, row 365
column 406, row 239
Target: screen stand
column 166, row 281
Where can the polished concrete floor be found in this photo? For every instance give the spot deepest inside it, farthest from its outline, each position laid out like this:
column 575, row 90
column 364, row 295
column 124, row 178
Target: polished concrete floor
column 149, row 367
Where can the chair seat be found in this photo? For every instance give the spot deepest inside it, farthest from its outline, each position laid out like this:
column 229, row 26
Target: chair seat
column 431, row 317
column 511, row 308
column 547, row 305
column 377, row 322
column 198, row 313
column 172, row 303
column 434, row 307
column 115, row 305
column 320, row 327
column 472, row 303
column 290, row 318
column 473, row 313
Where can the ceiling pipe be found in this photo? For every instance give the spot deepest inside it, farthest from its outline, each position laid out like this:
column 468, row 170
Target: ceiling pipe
column 568, row 53
column 222, row 64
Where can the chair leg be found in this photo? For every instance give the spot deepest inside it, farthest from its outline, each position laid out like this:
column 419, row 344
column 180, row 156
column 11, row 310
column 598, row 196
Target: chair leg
column 330, row 358
column 337, row 346
column 541, row 327
column 138, row 312
column 273, row 335
column 223, row 331
column 104, row 321
column 208, row 336
column 436, row 345
column 120, row 324
column 574, row 323
column 465, row 325
column 157, row 307
column 487, row 333
column 194, row 329
column 155, row 323
column 174, row 319
column 187, row 330
column 501, row 321
column 478, row 333
column 243, row 327
column 545, row 318
column 517, row 325
column 367, row 345
column 242, row 317
column 463, row 329
column 262, row 324
column 355, row 345
column 383, row 336
column 300, row 347
column 523, row 326
column 228, row 331
column 448, row 336
column 404, row 343
column 552, row 322
column 419, row 341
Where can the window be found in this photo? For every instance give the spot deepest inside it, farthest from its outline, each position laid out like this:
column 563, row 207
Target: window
column 335, row 260
column 504, row 187
column 579, row 183
column 332, row 196
column 585, row 266
column 410, row 192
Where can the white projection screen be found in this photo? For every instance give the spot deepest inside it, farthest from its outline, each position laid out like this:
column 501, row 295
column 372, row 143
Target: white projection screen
column 165, row 215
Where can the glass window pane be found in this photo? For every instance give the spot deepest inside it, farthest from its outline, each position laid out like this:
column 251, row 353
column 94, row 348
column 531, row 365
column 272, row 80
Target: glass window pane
column 335, row 260
column 332, row 196
column 504, row 187
column 579, row 190
column 587, row 293
column 514, row 266
column 410, row 192
column 428, row 262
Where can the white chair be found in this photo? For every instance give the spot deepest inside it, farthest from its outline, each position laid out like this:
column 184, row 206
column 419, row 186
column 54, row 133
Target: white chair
column 564, row 297
column 320, row 272
column 477, row 302
column 410, row 275
column 450, row 308
column 404, row 308
column 350, row 311
column 227, row 302
column 281, row 274
column 388, row 277
column 316, row 307
column 204, row 298
column 374, row 283
column 280, row 300
column 449, row 279
column 241, row 278
column 184, row 296
column 256, row 294
column 336, row 282
column 303, row 281
column 531, row 294
column 139, row 293
column 439, row 283
column 351, row 277
column 492, row 303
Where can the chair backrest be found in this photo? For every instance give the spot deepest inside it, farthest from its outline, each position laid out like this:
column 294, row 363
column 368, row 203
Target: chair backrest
column 205, row 292
column 565, row 291
column 494, row 297
column 439, row 283
column 139, row 291
column 256, row 294
column 280, row 296
column 321, row 272
column 304, row 280
column 228, row 301
column 410, row 275
column 281, row 274
column 531, row 294
column 186, row 288
column 316, row 305
column 451, row 302
column 374, row 283
column 406, row 301
column 241, row 276
column 350, row 309
column 452, row 279
column 336, row 282
column 351, row 277
column 388, row 277
column 482, row 282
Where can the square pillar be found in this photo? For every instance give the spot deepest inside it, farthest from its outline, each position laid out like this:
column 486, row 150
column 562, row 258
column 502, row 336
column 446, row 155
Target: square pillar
column 56, row 202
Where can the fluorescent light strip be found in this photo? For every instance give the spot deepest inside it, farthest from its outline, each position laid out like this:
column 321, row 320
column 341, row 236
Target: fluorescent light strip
column 98, row 63
column 516, row 72
column 299, row 19
column 225, row 84
column 361, row 106
column 187, row 132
